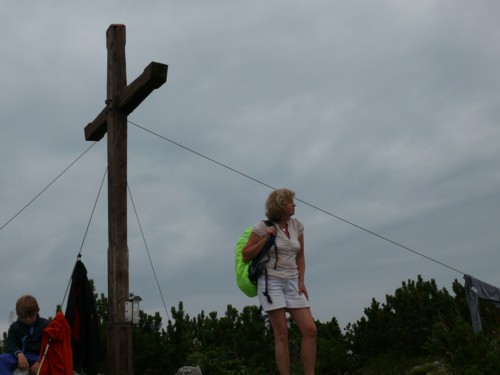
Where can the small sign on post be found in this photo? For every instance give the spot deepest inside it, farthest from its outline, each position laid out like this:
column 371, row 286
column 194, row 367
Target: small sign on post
column 132, row 308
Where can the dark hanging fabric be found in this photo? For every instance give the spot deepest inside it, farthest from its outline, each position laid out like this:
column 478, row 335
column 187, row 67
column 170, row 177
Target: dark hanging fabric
column 475, row 289
column 82, row 317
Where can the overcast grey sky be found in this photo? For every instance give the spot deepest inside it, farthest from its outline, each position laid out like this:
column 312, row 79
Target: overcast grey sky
column 384, row 114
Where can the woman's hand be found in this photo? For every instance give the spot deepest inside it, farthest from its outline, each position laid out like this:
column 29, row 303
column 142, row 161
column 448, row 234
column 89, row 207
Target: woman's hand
column 303, row 290
column 270, row 231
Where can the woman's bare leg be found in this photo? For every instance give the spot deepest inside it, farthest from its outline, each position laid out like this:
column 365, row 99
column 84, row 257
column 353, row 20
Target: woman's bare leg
column 280, row 328
column 305, row 322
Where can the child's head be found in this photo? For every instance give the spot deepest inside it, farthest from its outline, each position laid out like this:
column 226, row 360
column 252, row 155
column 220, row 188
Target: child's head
column 27, row 308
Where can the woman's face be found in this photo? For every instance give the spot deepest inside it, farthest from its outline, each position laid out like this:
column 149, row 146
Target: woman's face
column 289, row 208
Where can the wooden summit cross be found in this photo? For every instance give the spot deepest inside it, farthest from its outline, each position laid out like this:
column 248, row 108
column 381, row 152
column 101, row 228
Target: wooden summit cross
column 121, row 100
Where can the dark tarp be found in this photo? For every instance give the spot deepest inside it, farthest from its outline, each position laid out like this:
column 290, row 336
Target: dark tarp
column 82, row 317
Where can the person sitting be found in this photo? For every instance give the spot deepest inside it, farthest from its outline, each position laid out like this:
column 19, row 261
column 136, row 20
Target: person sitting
column 24, row 338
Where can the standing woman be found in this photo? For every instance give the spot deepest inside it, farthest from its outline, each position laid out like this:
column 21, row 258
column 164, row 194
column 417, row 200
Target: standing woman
column 285, row 279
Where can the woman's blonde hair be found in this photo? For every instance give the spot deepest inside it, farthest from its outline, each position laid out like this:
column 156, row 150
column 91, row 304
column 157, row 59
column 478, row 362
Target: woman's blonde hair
column 276, row 201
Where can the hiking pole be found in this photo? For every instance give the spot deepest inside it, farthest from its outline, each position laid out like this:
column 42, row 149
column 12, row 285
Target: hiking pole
column 44, row 356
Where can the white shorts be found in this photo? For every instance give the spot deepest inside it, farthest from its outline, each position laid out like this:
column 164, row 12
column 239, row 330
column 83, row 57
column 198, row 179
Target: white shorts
column 284, row 294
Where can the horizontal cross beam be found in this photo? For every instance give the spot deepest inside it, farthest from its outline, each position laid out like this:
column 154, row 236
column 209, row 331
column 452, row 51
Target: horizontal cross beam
column 154, row 75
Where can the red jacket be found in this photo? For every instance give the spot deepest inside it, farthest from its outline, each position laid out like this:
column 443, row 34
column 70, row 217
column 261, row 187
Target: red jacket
column 57, row 359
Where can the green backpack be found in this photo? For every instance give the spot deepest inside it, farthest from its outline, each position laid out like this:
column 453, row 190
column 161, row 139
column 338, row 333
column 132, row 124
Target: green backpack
column 248, row 273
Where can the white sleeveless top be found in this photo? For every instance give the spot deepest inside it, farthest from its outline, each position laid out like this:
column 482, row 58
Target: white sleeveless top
column 286, row 266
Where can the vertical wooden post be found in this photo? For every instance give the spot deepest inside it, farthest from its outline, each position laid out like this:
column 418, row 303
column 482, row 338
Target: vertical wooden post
column 119, row 330
column 121, row 101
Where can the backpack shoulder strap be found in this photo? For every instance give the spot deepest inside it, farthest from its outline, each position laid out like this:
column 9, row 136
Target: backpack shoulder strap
column 269, row 223
column 272, row 243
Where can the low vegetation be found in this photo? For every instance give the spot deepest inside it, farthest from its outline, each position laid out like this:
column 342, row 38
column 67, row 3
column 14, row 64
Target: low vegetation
column 420, row 329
